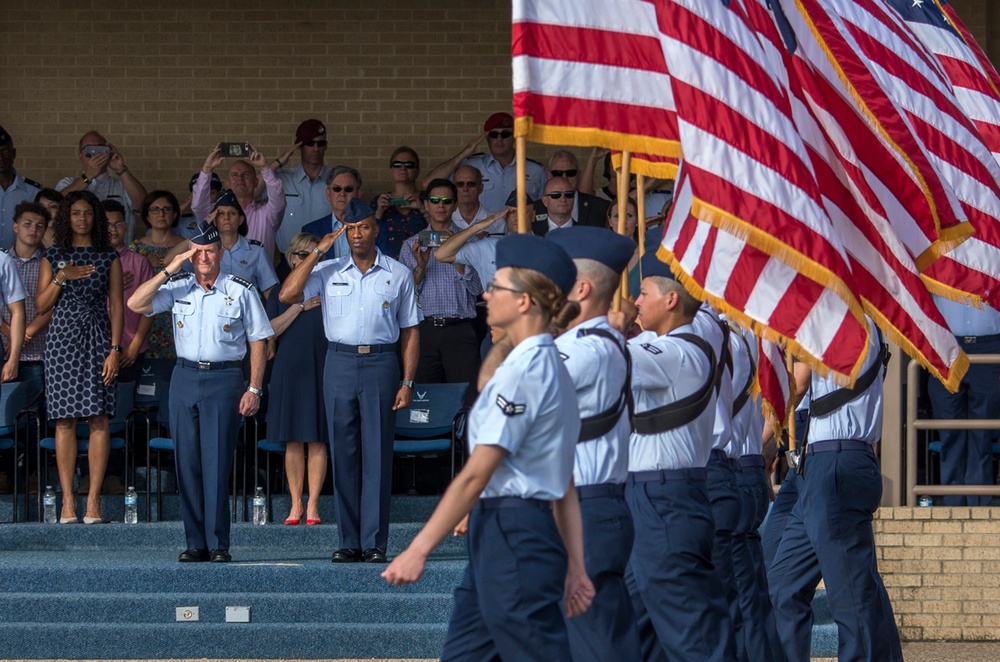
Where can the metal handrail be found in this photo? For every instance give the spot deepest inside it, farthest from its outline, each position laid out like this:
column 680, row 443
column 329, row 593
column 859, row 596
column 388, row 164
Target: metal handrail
column 914, row 424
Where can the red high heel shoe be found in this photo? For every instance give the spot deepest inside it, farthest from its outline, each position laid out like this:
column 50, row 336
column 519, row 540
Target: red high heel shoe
column 313, row 522
column 293, row 521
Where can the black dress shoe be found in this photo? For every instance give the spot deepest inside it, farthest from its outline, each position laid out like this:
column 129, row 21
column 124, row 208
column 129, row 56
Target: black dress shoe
column 375, row 555
column 220, row 556
column 193, row 556
column 346, row 555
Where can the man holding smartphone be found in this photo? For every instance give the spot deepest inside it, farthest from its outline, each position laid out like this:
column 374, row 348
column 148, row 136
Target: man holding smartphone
column 449, row 348
column 96, row 156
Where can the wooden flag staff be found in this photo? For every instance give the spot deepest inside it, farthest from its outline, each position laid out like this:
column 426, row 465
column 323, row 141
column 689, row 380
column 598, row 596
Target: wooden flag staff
column 623, row 182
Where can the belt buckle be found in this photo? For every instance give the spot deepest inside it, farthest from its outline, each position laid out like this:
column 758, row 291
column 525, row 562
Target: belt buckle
column 438, row 321
column 204, row 365
column 969, row 340
column 364, row 349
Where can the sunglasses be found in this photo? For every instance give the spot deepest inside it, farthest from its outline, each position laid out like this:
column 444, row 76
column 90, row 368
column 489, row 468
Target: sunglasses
column 466, row 184
column 565, row 173
column 501, row 134
column 314, row 143
column 302, row 254
column 346, row 189
column 555, row 195
column 403, row 164
column 433, row 199
column 161, row 210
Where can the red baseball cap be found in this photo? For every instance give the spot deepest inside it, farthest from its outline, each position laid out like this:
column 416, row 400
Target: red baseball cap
column 310, row 130
column 498, row 121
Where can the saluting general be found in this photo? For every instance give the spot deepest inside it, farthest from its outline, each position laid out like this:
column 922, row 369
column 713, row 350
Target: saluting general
column 215, row 316
column 369, row 306
column 594, row 354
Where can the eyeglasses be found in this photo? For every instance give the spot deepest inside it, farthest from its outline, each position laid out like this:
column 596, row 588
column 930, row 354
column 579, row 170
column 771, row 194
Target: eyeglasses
column 433, row 199
column 161, row 210
column 403, row 164
column 302, row 254
column 501, row 134
column 466, row 184
column 345, row 189
column 314, row 143
column 565, row 173
column 492, row 287
column 555, row 195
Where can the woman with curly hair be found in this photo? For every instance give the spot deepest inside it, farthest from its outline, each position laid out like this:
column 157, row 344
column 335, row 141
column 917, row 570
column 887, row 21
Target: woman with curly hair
column 80, row 280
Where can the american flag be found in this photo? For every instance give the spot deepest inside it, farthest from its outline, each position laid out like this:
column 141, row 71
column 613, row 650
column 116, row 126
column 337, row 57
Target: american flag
column 774, row 384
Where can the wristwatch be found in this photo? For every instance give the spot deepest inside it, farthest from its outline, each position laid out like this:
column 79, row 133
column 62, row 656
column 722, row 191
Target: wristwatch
column 117, row 348
column 317, row 251
column 256, row 391
column 406, row 382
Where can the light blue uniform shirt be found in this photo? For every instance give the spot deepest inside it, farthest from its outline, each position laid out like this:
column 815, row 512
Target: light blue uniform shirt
column 666, row 369
column 21, row 190
column 598, row 371
column 706, row 325
column 305, row 201
column 248, row 261
column 966, row 320
column 861, row 418
column 499, row 181
column 481, row 255
column 529, row 409
column 11, row 286
column 364, row 309
column 212, row 325
column 748, row 424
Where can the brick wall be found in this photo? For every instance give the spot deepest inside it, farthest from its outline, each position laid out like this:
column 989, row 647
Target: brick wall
column 166, row 81
column 941, row 567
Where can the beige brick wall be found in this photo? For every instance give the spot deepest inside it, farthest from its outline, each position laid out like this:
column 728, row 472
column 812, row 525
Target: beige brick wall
column 941, row 567
column 165, row 81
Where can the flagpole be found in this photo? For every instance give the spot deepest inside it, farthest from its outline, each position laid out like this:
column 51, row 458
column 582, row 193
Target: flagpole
column 522, row 189
column 623, row 181
column 640, row 209
column 790, row 421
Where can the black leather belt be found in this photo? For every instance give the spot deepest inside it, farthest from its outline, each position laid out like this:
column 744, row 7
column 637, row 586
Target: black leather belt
column 748, row 461
column 600, row 490
column 662, row 475
column 838, row 445
column 362, row 349
column 209, row 365
column 976, row 340
column 446, row 321
column 495, row 503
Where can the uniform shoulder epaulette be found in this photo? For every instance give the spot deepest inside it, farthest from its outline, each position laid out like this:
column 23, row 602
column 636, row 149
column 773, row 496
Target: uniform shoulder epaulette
column 181, row 275
column 242, row 281
column 2, row 249
column 254, row 242
column 32, row 182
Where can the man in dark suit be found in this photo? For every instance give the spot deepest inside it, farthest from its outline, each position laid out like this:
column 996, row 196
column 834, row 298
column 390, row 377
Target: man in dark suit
column 585, row 210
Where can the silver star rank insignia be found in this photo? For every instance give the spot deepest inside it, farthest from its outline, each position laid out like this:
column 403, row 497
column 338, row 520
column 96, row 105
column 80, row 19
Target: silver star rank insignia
column 509, row 408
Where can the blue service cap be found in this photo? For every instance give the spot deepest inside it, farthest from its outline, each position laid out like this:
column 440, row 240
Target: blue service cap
column 545, row 257
column 4, row 136
column 593, row 243
column 357, row 211
column 228, row 199
column 205, row 234
column 650, row 265
column 216, row 184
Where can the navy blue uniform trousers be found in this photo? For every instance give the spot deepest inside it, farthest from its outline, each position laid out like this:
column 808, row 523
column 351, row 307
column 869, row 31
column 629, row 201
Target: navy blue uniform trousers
column 727, row 507
column 607, row 630
column 680, row 606
column 967, row 455
column 360, row 390
column 829, row 535
column 508, row 604
column 748, row 560
column 204, row 424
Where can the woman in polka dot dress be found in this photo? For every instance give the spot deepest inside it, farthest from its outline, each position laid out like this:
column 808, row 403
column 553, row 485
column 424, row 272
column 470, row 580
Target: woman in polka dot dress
column 81, row 281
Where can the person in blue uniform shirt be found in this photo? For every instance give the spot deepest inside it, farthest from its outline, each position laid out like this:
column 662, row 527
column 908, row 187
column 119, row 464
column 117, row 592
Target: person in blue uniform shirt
column 524, row 532
column 14, row 189
column 594, row 354
column 216, row 317
column 967, row 455
column 681, row 608
column 828, row 533
column 241, row 257
column 369, row 307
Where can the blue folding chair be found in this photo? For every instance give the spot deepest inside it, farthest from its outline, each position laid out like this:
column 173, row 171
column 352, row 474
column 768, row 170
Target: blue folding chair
column 12, row 424
column 430, row 426
column 120, row 428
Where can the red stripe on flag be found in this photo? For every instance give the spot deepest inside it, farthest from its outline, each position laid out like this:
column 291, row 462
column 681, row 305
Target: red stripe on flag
column 588, row 45
column 603, row 115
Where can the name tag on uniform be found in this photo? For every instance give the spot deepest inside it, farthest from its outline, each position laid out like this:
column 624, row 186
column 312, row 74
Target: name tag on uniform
column 338, row 284
column 183, row 301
